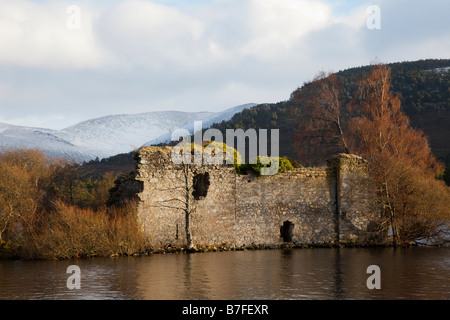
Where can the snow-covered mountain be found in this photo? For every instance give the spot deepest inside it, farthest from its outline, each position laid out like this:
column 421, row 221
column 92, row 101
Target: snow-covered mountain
column 106, row 136
column 111, row 135
column 45, row 139
column 206, row 123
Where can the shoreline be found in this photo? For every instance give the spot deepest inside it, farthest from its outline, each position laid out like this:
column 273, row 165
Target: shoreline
column 223, row 248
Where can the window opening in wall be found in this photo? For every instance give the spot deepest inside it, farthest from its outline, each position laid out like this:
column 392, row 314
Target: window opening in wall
column 201, row 185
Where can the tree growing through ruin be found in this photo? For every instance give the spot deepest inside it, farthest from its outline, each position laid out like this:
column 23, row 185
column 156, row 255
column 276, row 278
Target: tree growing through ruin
column 182, row 196
column 183, row 201
column 193, row 184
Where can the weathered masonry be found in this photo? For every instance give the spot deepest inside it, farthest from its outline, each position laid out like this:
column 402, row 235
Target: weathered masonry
column 327, row 205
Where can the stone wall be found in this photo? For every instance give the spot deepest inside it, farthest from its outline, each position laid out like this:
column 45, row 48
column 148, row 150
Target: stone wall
column 355, row 206
column 302, row 197
column 315, row 205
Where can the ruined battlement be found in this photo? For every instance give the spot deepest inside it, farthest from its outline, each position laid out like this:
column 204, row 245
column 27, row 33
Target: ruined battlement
column 328, row 205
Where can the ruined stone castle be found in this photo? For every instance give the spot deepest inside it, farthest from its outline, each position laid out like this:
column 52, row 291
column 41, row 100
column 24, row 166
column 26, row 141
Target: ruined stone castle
column 328, row 205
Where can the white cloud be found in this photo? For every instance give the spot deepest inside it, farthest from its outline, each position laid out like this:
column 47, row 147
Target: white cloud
column 144, row 33
column 138, row 33
column 36, row 35
column 278, row 25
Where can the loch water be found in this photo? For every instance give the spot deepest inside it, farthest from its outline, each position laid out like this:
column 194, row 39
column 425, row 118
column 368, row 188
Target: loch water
column 294, row 274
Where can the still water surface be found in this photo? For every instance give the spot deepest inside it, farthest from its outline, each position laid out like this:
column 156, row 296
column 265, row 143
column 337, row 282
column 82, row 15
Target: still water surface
column 413, row 273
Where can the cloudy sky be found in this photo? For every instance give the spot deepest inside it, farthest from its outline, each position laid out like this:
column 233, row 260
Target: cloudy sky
column 62, row 62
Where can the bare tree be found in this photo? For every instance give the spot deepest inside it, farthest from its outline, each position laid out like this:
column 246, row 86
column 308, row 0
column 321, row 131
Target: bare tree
column 21, row 176
column 402, row 166
column 400, row 159
column 320, row 105
column 183, row 202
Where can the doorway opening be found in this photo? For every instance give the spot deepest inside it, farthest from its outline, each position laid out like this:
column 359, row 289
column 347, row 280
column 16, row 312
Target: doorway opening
column 287, row 231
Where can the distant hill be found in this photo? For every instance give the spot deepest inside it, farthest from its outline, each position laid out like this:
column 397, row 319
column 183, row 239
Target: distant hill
column 423, row 86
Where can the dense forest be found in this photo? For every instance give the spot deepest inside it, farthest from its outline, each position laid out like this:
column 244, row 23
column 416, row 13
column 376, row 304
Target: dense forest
column 422, row 86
